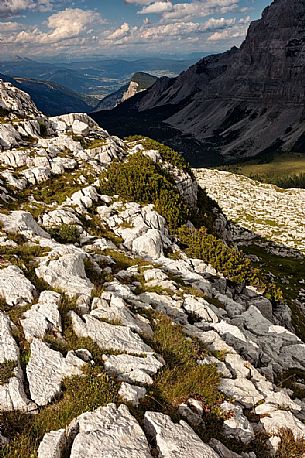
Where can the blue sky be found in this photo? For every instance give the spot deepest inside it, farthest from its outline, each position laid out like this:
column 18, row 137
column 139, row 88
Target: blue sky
column 45, row 28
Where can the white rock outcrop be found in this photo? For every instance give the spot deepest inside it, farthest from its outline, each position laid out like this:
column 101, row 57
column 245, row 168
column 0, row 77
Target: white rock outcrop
column 15, row 288
column 175, row 440
column 46, row 370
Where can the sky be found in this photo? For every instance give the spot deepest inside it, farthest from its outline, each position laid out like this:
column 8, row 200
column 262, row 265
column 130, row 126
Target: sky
column 114, row 28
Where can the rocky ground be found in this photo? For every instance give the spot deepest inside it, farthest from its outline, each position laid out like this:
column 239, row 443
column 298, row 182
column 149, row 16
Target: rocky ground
column 258, row 210
column 113, row 342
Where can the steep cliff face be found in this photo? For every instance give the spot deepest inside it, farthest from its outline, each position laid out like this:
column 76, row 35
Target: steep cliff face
column 240, row 103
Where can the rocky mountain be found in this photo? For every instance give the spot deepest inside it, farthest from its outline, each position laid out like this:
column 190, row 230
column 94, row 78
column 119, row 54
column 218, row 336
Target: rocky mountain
column 139, row 82
column 243, row 103
column 129, row 324
column 51, row 98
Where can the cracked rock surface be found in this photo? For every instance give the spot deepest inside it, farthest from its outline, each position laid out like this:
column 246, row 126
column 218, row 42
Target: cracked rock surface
column 114, row 340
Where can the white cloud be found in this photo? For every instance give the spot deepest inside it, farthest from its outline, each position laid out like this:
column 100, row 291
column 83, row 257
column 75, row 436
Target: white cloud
column 122, row 32
column 238, row 31
column 65, row 25
column 9, row 26
column 138, row 2
column 186, row 11
column 157, row 7
column 11, row 7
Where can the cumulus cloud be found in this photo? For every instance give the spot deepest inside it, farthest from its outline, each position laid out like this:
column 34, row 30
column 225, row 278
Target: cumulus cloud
column 10, row 26
column 12, row 7
column 157, row 7
column 185, row 11
column 180, row 26
column 138, row 2
column 122, row 32
column 64, row 25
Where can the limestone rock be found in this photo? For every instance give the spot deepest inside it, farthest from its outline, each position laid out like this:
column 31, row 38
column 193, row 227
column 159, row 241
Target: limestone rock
column 43, row 316
column 132, row 369
column 46, row 370
column 53, row 444
column 148, row 244
column 175, row 440
column 111, row 431
column 15, row 288
column 64, row 269
column 242, row 390
column 108, row 336
column 24, row 223
column 12, row 395
column 282, row 419
column 237, row 425
column 131, row 393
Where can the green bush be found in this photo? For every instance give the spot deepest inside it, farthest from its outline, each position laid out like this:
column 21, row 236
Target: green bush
column 231, row 262
column 43, row 129
column 65, row 233
column 141, row 180
column 167, row 154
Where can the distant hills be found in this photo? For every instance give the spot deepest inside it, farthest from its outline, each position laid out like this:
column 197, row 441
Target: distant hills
column 92, row 78
column 50, row 98
column 244, row 103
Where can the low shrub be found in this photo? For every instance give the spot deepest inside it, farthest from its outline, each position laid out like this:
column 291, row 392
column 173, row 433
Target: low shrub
column 167, row 154
column 65, row 233
column 141, row 180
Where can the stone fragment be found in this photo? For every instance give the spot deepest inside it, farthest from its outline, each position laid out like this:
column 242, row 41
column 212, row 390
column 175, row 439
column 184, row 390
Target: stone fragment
column 132, row 369
column 242, row 390
column 108, row 336
column 53, row 444
column 220, row 366
column 149, row 244
column 200, row 308
column 12, row 395
column 281, row 420
column 22, row 222
column 64, row 269
column 46, row 370
column 110, row 432
column 237, row 425
column 175, row 440
column 43, row 316
column 80, row 128
column 15, row 288
column 131, row 393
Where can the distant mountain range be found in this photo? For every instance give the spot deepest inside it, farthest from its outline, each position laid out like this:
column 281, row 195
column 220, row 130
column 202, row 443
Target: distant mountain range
column 139, row 82
column 93, row 78
column 244, row 103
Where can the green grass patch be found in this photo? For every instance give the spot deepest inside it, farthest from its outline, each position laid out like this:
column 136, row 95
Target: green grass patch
column 286, row 170
column 6, row 371
column 182, row 377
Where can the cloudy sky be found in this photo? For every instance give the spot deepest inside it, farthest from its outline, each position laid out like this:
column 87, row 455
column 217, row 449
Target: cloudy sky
column 45, row 28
